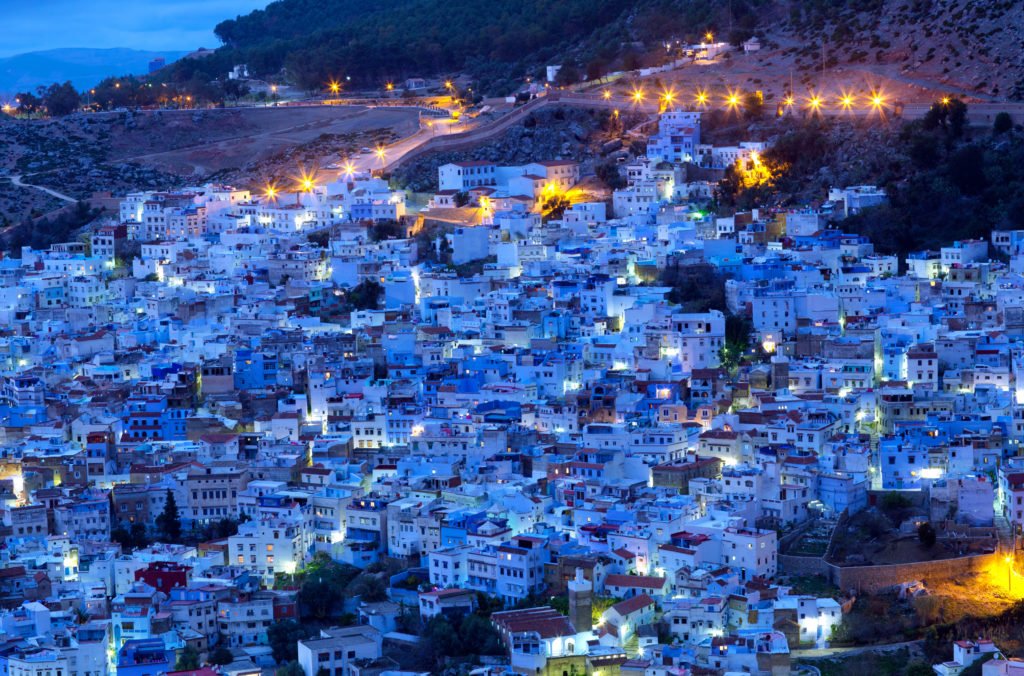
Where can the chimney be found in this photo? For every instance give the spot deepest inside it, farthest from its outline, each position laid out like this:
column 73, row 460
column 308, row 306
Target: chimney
column 580, row 602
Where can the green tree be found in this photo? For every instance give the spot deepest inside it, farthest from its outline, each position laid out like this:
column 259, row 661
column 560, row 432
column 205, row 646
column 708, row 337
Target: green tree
column 554, row 207
column 1003, row 123
column 293, row 668
column 139, row 536
column 222, row 655
column 28, row 103
column 123, row 537
column 365, row 295
column 169, row 521
column 384, row 230
column 567, row 74
column 61, row 99
column 188, row 659
column 369, row 588
column 926, row 534
column 283, row 638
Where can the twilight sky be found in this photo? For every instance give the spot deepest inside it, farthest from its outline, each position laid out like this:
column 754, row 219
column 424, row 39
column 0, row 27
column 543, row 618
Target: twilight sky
column 33, row 25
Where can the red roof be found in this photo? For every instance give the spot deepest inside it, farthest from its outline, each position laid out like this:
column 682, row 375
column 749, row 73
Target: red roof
column 638, row 581
column 632, row 605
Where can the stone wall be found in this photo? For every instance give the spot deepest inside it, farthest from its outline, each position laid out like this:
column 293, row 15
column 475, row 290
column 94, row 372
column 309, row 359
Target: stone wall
column 804, row 565
column 873, row 579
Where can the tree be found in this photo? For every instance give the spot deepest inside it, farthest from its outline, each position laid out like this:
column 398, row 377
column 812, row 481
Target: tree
column 61, row 99
column 28, row 103
column 188, row 659
column 369, row 588
column 596, row 68
column 554, row 207
column 221, row 655
column 753, row 105
column 926, row 534
column 1002, row 124
column 322, row 583
column 365, row 295
column 169, row 521
column 293, row 668
column 123, row 537
column 283, row 638
column 567, row 74
column 139, row 536
column 386, row 229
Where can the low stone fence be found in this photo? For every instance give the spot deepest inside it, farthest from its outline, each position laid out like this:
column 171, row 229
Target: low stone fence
column 873, row 579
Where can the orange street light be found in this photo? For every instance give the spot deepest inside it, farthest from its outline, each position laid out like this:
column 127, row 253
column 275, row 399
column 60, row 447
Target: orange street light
column 945, row 100
column 381, row 152
column 846, row 101
column 733, row 100
column 349, row 169
column 638, row 95
column 389, row 86
column 877, row 100
column 448, row 84
column 709, row 36
column 815, row 103
column 335, row 87
column 789, row 101
column 702, row 97
column 270, row 192
column 606, row 95
column 668, row 97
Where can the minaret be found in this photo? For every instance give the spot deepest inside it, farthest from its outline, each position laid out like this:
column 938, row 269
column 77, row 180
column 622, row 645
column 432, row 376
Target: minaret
column 580, row 592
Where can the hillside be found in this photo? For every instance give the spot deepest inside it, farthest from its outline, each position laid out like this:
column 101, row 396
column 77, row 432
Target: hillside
column 83, row 67
column 974, row 45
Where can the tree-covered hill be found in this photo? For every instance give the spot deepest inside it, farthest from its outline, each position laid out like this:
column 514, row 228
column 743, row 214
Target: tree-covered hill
column 969, row 44
column 495, row 40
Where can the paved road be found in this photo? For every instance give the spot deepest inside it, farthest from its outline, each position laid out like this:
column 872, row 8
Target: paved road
column 16, row 180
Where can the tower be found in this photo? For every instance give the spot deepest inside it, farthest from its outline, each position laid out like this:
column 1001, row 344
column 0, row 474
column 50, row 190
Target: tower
column 580, row 602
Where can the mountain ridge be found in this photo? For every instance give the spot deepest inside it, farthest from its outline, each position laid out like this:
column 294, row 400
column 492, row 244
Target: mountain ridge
column 83, row 66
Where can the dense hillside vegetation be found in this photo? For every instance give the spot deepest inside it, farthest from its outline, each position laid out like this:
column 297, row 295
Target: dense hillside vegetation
column 969, row 44
column 495, row 40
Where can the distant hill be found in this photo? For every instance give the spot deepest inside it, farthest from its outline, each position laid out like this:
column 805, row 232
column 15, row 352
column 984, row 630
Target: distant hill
column 83, row 67
column 974, row 45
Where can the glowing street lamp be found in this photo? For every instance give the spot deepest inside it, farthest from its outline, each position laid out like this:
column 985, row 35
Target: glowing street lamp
column 877, row 100
column 448, row 85
column 334, row 86
column 349, row 169
column 606, row 95
column 814, row 103
column 789, row 101
column 709, row 36
column 638, row 95
column 380, row 152
column 702, row 97
column 846, row 101
column 390, row 86
column 733, row 100
column 270, row 192
column 306, row 183
column 668, row 97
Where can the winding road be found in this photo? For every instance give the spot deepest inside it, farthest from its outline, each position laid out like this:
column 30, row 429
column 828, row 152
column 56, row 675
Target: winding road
column 16, row 180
